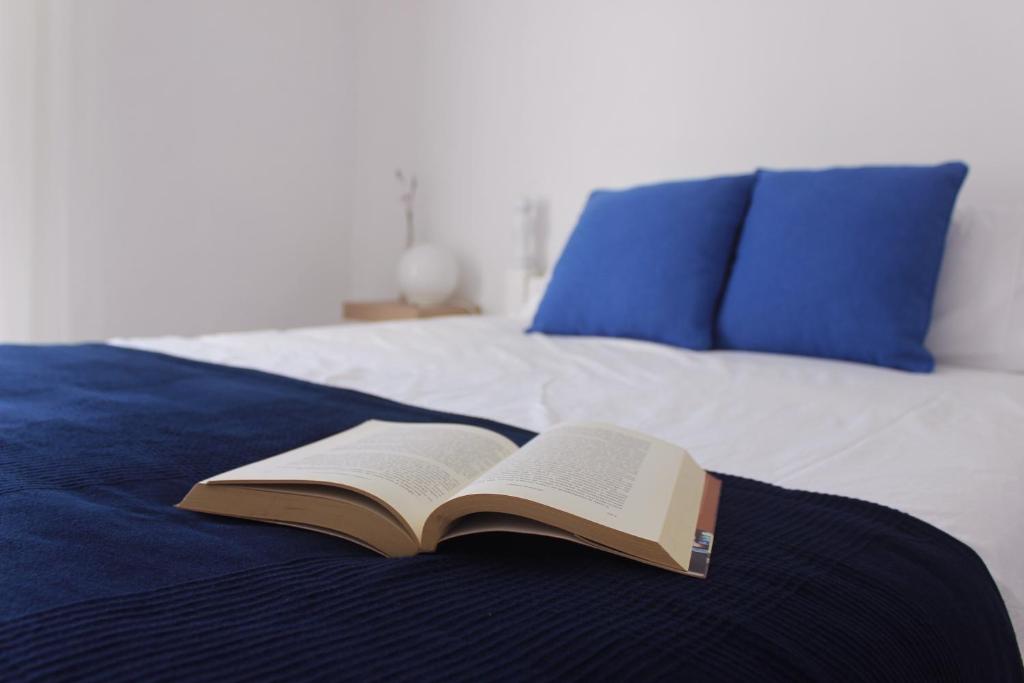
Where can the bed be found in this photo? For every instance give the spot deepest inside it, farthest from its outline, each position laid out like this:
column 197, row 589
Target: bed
column 944, row 448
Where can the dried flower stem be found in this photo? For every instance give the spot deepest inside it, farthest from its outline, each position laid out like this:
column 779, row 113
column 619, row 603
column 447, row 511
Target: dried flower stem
column 408, row 199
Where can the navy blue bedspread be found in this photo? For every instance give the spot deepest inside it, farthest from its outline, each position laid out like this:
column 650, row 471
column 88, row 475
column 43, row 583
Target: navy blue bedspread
column 102, row 578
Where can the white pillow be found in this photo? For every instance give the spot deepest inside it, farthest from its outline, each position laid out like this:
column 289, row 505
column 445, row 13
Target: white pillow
column 978, row 318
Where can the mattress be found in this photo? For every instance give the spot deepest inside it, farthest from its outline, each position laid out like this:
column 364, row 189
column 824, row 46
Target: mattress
column 945, row 447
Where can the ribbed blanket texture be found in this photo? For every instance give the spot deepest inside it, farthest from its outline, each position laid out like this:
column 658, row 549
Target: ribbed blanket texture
column 101, row 578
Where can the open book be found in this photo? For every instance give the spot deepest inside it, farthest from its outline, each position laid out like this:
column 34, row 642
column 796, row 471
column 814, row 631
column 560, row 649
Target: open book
column 402, row 488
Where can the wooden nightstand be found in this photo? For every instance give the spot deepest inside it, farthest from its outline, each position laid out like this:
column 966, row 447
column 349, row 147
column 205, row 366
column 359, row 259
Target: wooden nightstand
column 399, row 310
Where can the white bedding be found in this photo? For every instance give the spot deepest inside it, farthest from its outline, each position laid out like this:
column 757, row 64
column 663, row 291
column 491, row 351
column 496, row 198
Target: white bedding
column 947, row 448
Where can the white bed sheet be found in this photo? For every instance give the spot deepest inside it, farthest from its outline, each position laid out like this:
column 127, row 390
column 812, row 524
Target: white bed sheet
column 947, row 448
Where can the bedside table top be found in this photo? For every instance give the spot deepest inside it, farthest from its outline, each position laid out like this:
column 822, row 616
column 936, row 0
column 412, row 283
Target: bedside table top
column 400, row 310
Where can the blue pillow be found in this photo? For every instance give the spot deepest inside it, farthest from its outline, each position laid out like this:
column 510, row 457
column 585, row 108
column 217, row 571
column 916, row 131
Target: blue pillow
column 647, row 263
column 841, row 263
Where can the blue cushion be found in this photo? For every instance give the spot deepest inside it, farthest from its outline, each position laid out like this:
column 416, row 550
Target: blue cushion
column 841, row 263
column 648, row 262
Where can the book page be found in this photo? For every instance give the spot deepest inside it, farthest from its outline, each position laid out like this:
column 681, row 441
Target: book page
column 411, row 467
column 611, row 476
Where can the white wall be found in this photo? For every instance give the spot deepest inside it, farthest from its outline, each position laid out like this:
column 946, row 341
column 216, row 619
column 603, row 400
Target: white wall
column 386, row 130
column 490, row 100
column 199, row 161
column 205, row 165
column 17, row 165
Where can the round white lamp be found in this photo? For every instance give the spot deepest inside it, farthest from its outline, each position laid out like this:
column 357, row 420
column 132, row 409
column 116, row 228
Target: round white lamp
column 427, row 275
